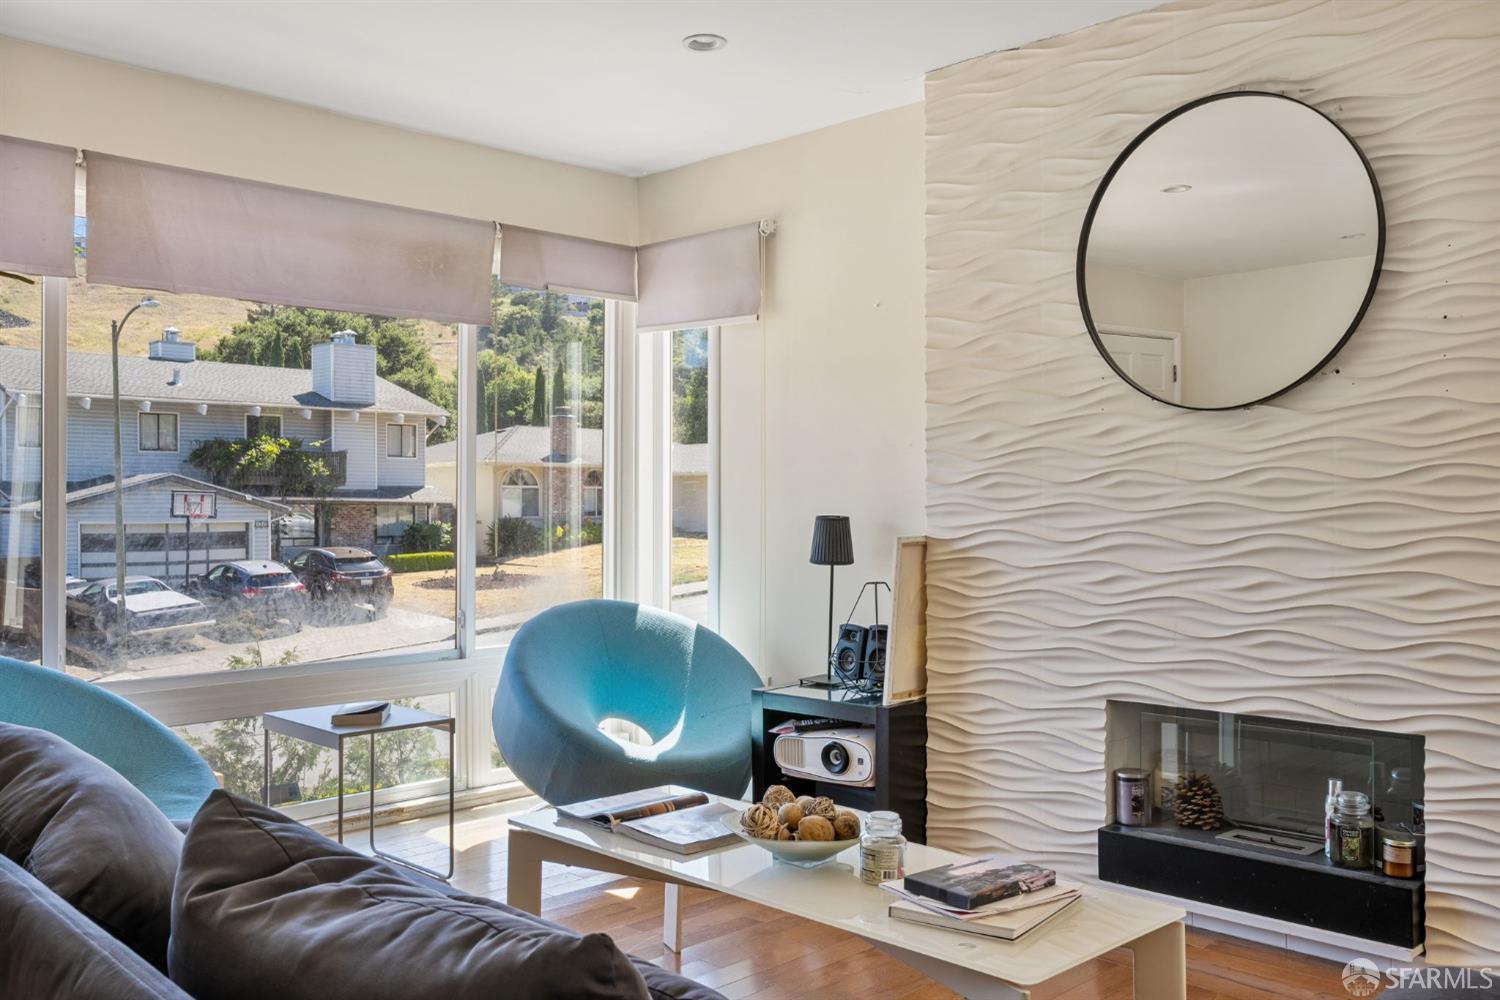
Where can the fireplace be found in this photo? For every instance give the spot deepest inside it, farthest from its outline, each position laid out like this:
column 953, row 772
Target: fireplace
column 1249, row 792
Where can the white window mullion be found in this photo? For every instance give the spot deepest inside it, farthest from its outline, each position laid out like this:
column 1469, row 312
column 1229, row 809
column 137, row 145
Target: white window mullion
column 54, row 470
column 465, row 545
column 714, row 370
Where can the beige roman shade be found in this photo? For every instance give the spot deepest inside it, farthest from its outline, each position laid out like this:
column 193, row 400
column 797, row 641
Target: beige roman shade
column 36, row 207
column 549, row 262
column 159, row 227
column 712, row 279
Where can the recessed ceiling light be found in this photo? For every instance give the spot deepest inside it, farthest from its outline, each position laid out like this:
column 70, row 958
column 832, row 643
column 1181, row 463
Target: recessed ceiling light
column 704, row 42
column 1352, row 236
column 1177, row 189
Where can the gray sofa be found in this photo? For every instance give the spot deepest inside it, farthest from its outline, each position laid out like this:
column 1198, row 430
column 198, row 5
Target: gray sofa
column 103, row 898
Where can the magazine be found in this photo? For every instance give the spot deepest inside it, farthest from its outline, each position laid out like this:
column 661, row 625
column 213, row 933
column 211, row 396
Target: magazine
column 1005, row 926
column 612, row 810
column 683, row 831
column 972, row 884
column 673, row 818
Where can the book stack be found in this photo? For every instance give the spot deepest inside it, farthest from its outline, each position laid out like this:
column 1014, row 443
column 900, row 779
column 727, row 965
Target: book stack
column 984, row 897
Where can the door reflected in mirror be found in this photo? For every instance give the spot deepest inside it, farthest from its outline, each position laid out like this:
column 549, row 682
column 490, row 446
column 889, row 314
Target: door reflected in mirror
column 1230, row 251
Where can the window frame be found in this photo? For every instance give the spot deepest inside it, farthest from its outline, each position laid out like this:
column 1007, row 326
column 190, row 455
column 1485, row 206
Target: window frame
column 140, row 432
column 534, row 487
column 280, row 426
column 400, row 452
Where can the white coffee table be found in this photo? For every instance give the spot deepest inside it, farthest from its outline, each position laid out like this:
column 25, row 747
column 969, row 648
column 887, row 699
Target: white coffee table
column 832, row 894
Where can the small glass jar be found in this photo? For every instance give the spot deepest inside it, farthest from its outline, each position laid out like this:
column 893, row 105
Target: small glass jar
column 1354, row 831
column 882, row 849
column 1398, row 854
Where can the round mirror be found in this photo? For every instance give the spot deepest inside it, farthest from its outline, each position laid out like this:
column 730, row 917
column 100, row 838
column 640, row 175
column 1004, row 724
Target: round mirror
column 1230, row 251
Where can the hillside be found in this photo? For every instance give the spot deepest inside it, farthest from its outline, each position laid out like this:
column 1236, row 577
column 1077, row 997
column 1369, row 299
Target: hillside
column 202, row 319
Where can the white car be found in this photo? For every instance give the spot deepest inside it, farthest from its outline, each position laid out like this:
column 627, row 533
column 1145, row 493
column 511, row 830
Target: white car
column 151, row 608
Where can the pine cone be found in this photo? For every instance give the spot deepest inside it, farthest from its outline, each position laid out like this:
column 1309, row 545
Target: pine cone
column 1197, row 803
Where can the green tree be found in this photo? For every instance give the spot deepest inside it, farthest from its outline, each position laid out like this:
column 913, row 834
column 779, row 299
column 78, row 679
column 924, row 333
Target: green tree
column 539, row 399
column 401, row 354
column 559, row 387
column 505, row 391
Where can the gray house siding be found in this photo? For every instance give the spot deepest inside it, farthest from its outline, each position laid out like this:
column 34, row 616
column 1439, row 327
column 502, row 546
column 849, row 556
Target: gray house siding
column 358, row 439
column 402, row 471
column 91, row 436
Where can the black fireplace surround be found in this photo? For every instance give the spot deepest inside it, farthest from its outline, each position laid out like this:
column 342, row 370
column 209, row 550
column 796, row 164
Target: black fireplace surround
column 1272, row 776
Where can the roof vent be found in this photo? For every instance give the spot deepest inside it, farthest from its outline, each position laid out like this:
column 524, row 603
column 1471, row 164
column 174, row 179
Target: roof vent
column 176, row 377
column 344, row 337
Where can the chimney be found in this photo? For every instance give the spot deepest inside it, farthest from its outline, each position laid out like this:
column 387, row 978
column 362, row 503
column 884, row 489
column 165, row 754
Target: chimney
column 564, row 435
column 171, row 347
column 343, row 370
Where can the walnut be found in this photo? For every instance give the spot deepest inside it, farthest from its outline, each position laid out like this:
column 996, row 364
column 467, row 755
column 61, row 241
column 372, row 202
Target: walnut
column 845, row 825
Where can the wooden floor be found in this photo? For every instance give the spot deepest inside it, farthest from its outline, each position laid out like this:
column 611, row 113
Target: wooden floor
column 746, row 950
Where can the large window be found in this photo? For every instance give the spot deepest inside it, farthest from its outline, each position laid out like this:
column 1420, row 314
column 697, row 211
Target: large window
column 540, row 451
column 157, row 431
column 258, row 467
column 28, row 420
column 691, row 387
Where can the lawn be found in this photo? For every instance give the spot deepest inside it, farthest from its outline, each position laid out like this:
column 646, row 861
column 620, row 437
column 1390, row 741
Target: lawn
column 531, row 583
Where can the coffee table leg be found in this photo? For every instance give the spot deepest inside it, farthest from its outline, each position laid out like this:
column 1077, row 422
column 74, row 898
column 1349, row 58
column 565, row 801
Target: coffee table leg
column 671, row 917
column 1161, row 964
column 523, row 871
column 966, row 982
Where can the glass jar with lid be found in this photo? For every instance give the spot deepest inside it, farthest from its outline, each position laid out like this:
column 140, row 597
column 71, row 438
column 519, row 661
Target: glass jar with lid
column 1355, row 831
column 882, row 849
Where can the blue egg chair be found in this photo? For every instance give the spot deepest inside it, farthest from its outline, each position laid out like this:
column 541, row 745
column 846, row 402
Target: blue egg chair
column 102, row 724
column 577, row 665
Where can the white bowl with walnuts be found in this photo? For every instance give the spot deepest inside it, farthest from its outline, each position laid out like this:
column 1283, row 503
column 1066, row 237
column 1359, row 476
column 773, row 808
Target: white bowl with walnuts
column 805, row 830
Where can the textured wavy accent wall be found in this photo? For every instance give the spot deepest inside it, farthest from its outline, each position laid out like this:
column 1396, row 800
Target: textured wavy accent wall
column 1331, row 556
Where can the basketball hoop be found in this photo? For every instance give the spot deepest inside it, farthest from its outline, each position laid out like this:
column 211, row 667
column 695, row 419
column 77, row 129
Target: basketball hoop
column 194, row 506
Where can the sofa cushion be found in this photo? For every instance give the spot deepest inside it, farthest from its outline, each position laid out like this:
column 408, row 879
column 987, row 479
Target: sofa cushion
column 662, row 984
column 265, row 907
column 89, row 836
column 53, row 952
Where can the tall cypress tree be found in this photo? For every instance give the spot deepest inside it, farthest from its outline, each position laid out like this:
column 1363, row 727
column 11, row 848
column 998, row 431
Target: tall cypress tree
column 559, row 394
column 539, row 399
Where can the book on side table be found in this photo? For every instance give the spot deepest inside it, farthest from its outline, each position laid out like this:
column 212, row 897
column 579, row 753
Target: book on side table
column 361, row 713
column 675, row 819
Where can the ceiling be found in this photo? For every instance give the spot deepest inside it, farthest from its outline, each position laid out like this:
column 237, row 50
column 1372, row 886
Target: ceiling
column 1273, row 184
column 595, row 83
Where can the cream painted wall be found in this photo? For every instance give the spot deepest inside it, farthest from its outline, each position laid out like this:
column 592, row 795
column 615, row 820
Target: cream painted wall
column 1119, row 296
column 57, row 96
column 822, row 400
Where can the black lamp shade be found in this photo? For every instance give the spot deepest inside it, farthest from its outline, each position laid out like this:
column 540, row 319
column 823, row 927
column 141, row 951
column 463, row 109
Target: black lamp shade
column 832, row 544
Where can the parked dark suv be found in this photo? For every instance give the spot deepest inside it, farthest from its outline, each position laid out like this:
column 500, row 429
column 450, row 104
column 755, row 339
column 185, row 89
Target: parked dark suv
column 347, row 575
column 265, row 590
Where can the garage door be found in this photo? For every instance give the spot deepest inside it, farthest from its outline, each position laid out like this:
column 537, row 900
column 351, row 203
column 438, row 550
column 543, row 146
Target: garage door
column 165, row 551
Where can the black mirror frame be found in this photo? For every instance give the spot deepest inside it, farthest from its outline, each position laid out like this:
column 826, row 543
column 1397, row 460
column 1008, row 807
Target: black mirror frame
column 1103, row 186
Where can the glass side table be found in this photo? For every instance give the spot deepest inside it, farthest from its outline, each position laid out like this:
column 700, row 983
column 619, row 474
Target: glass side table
column 312, row 725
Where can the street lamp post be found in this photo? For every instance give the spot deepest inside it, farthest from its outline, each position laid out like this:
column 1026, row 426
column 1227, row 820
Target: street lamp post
column 115, row 328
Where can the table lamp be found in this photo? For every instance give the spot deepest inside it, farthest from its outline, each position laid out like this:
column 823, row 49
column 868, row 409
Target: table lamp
column 832, row 545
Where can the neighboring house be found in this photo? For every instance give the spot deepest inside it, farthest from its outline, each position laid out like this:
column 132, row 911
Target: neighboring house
column 372, row 434
column 555, row 475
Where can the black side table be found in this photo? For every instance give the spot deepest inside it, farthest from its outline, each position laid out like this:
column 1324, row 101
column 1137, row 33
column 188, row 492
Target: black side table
column 900, row 749
column 312, row 725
